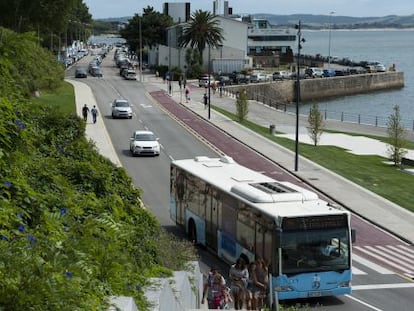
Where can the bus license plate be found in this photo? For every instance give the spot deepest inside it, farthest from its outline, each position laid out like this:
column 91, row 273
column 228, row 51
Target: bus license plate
column 315, row 294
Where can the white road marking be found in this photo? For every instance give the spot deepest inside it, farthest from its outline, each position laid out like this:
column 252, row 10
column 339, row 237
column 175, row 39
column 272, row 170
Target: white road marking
column 382, row 286
column 364, row 303
column 391, row 258
column 370, row 253
column 371, row 265
column 356, row 271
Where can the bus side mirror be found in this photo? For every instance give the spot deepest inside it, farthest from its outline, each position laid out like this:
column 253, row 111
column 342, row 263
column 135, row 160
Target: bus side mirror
column 353, row 235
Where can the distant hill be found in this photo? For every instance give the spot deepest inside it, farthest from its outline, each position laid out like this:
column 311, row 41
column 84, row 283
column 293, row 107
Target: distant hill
column 322, row 21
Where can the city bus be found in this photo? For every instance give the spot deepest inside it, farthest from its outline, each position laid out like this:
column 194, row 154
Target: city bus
column 235, row 211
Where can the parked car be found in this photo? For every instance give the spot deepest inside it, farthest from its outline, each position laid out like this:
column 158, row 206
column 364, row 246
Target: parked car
column 130, row 74
column 203, row 80
column 328, row 73
column 258, row 77
column 380, row 67
column 144, row 143
column 121, row 108
column 357, row 70
column 280, row 75
column 81, row 73
column 224, row 80
column 314, row 72
column 302, row 75
column 238, row 78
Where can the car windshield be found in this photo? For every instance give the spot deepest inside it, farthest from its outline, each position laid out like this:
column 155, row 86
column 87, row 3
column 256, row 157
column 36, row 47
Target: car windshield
column 145, row 137
column 122, row 104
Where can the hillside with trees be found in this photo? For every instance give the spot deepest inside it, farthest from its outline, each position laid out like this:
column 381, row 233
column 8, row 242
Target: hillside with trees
column 73, row 228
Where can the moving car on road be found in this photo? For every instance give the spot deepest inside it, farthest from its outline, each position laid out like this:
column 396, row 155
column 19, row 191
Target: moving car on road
column 121, row 108
column 144, row 143
column 81, row 73
column 95, row 72
column 130, row 74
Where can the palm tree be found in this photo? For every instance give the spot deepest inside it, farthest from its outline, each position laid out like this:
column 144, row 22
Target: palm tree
column 201, row 31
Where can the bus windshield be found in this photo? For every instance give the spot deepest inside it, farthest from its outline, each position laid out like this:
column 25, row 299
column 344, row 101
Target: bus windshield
column 315, row 250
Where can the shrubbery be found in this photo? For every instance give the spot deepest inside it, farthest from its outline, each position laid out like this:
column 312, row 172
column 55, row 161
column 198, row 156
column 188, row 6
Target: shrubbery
column 73, row 230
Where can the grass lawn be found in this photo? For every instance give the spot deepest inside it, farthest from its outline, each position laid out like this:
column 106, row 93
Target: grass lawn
column 62, row 98
column 370, row 172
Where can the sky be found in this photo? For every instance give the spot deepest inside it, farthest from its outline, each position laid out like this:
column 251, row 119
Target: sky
column 358, row 8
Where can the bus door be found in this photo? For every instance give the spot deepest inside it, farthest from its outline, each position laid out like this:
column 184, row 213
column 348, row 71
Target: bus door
column 263, row 242
column 212, row 220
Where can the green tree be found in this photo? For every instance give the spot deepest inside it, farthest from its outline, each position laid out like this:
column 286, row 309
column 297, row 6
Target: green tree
column 397, row 135
column 192, row 58
column 51, row 20
column 242, row 105
column 153, row 29
column 201, row 31
column 30, row 66
column 316, row 124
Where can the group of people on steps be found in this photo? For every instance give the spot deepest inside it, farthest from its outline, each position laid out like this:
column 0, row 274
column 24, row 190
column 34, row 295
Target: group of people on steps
column 248, row 286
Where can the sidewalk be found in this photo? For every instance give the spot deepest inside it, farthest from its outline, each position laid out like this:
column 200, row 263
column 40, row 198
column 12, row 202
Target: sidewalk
column 378, row 210
column 96, row 132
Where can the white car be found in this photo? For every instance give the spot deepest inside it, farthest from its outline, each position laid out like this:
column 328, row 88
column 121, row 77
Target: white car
column 144, row 143
column 121, row 108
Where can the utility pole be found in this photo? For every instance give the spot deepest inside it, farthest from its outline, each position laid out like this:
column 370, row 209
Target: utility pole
column 300, row 40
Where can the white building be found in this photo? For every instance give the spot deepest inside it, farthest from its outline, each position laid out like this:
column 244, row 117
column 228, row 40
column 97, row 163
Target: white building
column 268, row 44
column 227, row 58
column 247, row 43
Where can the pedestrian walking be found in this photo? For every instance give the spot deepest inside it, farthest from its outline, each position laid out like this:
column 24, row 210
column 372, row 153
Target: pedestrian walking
column 214, row 290
column 205, row 100
column 85, row 111
column 94, row 112
column 187, row 95
column 239, row 276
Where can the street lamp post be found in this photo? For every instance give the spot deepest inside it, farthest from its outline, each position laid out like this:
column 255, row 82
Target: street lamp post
column 329, row 40
column 208, row 71
column 140, row 49
column 300, row 40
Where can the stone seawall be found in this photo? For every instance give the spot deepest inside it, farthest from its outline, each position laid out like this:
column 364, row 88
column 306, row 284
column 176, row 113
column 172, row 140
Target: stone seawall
column 322, row 88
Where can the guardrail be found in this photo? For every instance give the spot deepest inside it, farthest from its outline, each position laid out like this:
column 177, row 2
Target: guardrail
column 355, row 118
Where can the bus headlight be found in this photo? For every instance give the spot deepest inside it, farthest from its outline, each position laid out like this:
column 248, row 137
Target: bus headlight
column 344, row 284
column 284, row 288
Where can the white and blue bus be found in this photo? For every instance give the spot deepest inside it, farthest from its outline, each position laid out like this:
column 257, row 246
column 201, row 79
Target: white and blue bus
column 233, row 210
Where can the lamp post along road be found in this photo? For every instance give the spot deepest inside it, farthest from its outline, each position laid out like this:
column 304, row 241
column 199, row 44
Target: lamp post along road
column 300, row 40
column 329, row 40
column 140, row 50
column 208, row 85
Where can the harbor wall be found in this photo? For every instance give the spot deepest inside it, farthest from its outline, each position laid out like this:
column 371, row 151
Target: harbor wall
column 322, row 88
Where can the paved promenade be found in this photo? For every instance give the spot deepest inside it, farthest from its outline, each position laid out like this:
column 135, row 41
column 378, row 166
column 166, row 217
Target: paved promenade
column 382, row 212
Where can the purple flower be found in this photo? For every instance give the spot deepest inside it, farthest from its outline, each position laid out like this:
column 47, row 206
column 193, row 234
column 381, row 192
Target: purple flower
column 31, row 239
column 22, row 228
column 20, row 125
column 63, row 211
column 8, row 184
column 69, row 274
column 4, row 238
